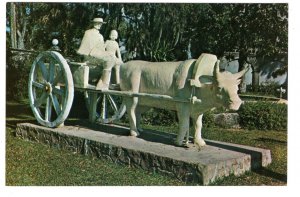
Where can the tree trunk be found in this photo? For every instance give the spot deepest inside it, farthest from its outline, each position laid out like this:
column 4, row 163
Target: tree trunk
column 21, row 29
column 13, row 25
column 242, row 60
column 255, row 79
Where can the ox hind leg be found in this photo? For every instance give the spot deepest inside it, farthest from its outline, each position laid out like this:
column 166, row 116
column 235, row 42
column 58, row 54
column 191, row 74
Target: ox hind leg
column 197, row 121
column 183, row 113
column 131, row 104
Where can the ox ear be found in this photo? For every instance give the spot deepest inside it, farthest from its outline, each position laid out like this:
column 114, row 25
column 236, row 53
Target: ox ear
column 238, row 81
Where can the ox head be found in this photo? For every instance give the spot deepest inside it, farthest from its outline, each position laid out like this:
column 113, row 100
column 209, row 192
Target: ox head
column 227, row 87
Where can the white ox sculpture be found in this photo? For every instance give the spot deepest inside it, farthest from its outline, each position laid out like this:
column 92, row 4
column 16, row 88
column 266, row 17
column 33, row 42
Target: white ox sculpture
column 188, row 79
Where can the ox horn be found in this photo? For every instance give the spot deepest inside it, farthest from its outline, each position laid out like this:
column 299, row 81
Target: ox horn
column 241, row 73
column 217, row 69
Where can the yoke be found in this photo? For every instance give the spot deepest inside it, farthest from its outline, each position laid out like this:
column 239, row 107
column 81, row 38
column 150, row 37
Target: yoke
column 204, row 66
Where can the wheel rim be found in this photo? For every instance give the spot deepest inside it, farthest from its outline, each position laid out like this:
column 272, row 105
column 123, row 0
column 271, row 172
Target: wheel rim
column 109, row 108
column 51, row 89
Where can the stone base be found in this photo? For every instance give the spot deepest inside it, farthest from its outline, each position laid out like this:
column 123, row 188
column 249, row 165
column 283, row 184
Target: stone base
column 152, row 151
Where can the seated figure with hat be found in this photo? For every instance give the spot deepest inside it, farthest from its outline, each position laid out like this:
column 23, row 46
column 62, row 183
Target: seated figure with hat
column 93, row 48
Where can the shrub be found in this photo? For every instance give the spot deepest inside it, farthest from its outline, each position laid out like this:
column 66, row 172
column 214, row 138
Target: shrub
column 263, row 116
column 161, row 117
column 208, row 119
column 268, row 89
column 17, row 75
column 164, row 117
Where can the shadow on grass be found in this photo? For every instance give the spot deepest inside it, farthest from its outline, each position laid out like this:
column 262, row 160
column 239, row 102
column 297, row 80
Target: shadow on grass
column 13, row 123
column 271, row 174
column 18, row 112
column 115, row 129
column 262, row 139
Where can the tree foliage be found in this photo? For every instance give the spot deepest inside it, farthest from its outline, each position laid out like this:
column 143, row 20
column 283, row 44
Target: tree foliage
column 160, row 31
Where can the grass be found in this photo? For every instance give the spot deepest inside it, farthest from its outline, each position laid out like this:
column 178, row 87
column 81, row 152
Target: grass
column 29, row 163
column 35, row 164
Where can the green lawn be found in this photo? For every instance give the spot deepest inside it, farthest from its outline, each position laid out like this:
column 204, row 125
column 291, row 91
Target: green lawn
column 29, row 163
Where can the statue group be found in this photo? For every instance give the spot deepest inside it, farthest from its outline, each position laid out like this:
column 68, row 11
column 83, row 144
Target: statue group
column 189, row 87
column 107, row 53
column 198, row 80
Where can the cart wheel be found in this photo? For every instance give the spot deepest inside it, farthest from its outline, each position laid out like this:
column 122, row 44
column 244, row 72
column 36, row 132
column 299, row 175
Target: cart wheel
column 108, row 108
column 50, row 89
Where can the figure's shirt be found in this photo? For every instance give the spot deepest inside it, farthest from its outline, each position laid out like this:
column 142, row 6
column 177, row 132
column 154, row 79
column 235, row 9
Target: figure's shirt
column 111, row 46
column 91, row 41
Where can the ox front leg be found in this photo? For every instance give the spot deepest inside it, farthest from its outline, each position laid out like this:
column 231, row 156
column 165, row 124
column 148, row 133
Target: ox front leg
column 131, row 104
column 197, row 120
column 183, row 114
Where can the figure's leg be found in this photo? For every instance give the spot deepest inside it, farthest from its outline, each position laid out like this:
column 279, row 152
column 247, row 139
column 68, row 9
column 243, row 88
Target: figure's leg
column 117, row 70
column 104, row 81
column 183, row 114
column 131, row 104
column 197, row 120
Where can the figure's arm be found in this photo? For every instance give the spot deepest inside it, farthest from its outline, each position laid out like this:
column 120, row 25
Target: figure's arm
column 105, row 45
column 118, row 53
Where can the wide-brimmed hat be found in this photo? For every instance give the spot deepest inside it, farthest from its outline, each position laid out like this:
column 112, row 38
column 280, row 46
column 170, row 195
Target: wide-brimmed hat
column 98, row 20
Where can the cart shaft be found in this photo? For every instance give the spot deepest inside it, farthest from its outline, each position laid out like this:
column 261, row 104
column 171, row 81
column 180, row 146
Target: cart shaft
column 132, row 94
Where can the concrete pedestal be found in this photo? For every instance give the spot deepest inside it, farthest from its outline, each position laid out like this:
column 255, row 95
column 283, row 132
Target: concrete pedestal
column 152, row 151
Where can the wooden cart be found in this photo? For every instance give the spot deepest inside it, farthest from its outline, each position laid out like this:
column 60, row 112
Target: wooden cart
column 52, row 82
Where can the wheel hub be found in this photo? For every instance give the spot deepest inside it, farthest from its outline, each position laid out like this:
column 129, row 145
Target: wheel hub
column 48, row 88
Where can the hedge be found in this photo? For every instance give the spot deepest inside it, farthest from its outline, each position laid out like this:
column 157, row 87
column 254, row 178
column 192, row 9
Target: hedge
column 263, row 116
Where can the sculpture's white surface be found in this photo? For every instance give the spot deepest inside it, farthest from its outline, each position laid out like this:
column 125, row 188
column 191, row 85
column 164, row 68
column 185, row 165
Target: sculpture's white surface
column 197, row 80
column 113, row 47
column 173, row 78
column 54, row 42
column 93, row 46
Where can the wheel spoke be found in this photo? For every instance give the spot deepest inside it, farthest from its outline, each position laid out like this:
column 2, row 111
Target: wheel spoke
column 51, row 71
column 44, row 70
column 38, row 85
column 57, row 91
column 48, row 110
column 57, row 78
column 112, row 103
column 55, row 104
column 103, row 107
column 41, row 100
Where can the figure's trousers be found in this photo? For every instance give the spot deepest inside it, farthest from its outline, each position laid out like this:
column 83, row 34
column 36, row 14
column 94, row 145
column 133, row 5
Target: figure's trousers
column 108, row 61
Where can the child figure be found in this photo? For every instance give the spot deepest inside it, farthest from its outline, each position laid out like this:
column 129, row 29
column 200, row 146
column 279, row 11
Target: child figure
column 113, row 47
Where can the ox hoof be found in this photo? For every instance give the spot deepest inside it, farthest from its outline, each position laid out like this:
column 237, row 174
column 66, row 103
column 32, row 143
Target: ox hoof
column 200, row 142
column 134, row 133
column 178, row 143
